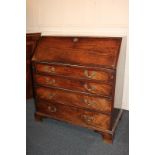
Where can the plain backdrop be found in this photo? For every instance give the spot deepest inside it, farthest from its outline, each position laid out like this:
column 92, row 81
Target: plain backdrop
column 13, row 77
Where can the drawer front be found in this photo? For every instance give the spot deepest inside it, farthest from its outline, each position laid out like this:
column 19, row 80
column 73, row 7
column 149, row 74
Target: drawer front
column 98, row 52
column 81, row 73
column 74, row 99
column 75, row 85
column 74, row 115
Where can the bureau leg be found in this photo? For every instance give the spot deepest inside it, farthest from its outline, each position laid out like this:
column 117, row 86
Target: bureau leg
column 38, row 118
column 107, row 138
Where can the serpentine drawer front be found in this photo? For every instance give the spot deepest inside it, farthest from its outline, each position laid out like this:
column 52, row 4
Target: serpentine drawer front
column 74, row 81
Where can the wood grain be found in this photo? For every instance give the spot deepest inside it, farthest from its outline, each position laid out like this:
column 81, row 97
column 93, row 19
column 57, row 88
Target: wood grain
column 79, row 100
column 75, row 85
column 76, row 115
column 77, row 73
column 31, row 43
column 101, row 52
column 74, row 81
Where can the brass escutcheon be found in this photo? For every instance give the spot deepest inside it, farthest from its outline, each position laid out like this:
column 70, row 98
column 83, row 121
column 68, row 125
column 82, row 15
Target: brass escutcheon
column 87, row 119
column 52, row 109
column 88, row 102
column 50, row 81
column 88, row 88
column 86, row 73
column 75, row 39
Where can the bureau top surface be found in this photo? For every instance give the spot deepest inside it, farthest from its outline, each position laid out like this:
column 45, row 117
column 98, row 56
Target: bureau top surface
column 85, row 51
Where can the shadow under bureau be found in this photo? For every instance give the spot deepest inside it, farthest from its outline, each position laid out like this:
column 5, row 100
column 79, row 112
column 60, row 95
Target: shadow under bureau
column 74, row 81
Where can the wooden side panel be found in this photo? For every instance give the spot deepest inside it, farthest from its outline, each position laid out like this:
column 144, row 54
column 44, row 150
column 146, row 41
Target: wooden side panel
column 75, row 115
column 31, row 42
column 74, row 99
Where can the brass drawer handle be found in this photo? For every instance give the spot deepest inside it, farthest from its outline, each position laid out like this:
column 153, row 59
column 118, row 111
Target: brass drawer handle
column 87, row 119
column 86, row 73
column 49, row 96
column 50, row 81
column 50, row 69
column 90, row 89
column 89, row 103
column 52, row 109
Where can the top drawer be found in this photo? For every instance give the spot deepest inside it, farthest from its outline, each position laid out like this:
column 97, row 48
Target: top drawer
column 93, row 52
column 77, row 73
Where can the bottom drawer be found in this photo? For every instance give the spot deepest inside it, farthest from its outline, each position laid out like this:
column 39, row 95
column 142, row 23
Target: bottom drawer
column 74, row 115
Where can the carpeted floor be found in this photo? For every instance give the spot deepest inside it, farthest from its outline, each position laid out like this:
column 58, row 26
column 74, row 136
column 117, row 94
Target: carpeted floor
column 52, row 137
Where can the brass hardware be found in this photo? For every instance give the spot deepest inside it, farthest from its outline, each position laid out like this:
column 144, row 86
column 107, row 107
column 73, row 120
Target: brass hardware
column 92, row 89
column 89, row 103
column 50, row 81
column 87, row 119
column 47, row 79
column 52, row 109
column 50, row 69
column 87, row 74
column 50, row 96
column 75, row 39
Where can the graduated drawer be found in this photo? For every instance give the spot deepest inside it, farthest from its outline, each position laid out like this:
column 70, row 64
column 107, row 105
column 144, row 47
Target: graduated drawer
column 75, row 72
column 75, row 85
column 74, row 99
column 74, row 115
column 95, row 52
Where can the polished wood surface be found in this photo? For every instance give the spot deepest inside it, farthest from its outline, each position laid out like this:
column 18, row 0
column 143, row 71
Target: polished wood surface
column 75, row 85
column 31, row 43
column 74, row 81
column 99, row 52
column 79, row 72
column 77, row 116
column 74, row 99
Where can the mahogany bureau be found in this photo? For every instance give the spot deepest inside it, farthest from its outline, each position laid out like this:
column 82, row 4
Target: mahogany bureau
column 74, row 81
